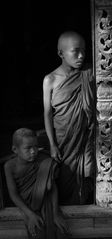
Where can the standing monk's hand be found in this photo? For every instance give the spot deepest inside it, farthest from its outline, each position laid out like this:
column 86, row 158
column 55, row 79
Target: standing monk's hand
column 55, row 153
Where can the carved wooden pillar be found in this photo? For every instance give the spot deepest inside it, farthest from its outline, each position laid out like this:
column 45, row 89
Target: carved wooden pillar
column 103, row 71
column 1, row 191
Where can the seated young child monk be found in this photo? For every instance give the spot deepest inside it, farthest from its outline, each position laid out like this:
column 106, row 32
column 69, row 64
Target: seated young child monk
column 30, row 177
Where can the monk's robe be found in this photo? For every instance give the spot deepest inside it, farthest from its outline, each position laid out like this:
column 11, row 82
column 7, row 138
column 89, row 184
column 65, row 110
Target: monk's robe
column 73, row 102
column 34, row 185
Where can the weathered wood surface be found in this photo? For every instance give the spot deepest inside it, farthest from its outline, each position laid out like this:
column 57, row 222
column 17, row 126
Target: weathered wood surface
column 88, row 221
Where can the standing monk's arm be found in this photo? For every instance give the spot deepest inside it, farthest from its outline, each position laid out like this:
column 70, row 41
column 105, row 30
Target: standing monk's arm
column 48, row 118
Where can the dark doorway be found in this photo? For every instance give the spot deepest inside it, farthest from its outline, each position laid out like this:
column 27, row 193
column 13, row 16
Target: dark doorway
column 28, row 45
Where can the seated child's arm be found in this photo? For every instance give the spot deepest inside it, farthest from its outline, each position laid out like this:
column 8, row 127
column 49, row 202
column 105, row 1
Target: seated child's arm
column 13, row 192
column 31, row 218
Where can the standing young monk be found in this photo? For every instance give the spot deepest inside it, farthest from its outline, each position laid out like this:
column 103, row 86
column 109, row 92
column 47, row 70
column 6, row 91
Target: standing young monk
column 30, row 177
column 69, row 106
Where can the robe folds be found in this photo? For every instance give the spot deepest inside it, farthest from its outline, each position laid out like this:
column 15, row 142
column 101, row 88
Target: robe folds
column 34, row 186
column 73, row 103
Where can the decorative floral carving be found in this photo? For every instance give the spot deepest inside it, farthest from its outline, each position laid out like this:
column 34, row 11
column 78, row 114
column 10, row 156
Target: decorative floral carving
column 104, row 45
column 103, row 57
column 104, row 91
column 104, row 110
column 104, row 20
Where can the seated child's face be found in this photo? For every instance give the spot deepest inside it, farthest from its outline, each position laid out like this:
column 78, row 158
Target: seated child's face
column 28, row 149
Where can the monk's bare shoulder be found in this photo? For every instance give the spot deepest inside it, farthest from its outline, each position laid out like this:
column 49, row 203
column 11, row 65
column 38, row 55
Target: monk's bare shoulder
column 10, row 165
column 52, row 78
column 49, row 79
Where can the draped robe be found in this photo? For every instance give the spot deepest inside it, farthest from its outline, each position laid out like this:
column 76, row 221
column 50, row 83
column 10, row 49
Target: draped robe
column 34, row 185
column 73, row 103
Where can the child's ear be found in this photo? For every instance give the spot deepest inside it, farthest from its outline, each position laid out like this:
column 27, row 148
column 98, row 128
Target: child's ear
column 14, row 149
column 60, row 53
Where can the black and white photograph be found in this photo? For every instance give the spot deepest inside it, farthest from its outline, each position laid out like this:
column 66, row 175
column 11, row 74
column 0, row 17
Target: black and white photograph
column 56, row 120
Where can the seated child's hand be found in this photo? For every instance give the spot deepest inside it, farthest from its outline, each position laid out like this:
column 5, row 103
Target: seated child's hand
column 60, row 222
column 34, row 223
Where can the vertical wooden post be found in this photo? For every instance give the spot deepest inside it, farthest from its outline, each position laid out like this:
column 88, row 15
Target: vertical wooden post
column 102, row 44
column 1, row 191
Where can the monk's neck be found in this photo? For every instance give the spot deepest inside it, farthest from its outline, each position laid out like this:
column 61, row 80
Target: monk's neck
column 68, row 70
column 22, row 162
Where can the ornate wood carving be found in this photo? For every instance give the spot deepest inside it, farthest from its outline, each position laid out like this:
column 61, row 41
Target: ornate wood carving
column 103, row 71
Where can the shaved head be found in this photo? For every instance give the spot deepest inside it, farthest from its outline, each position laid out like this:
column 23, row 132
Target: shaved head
column 65, row 37
column 20, row 133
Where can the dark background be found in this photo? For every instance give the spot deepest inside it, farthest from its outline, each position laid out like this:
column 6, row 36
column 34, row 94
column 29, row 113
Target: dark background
column 29, row 31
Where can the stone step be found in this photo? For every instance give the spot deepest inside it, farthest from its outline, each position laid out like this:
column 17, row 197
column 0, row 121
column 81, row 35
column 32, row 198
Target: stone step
column 86, row 221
